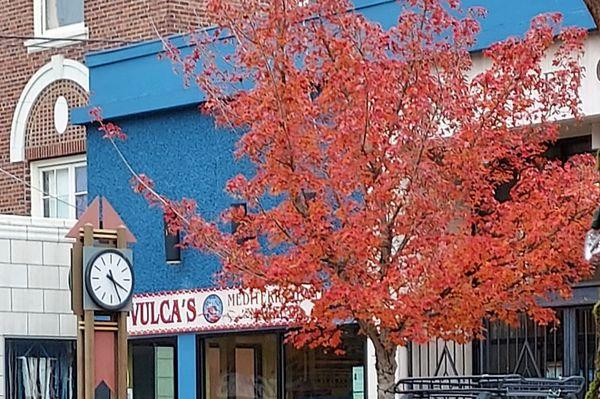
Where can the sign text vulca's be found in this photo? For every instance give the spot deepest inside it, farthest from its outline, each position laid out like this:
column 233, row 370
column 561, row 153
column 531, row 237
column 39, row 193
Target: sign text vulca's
column 188, row 311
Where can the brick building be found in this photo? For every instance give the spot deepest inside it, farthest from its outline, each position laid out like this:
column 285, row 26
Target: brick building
column 43, row 177
column 36, row 71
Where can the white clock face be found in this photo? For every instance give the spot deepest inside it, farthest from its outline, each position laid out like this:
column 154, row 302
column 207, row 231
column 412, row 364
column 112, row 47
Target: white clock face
column 109, row 280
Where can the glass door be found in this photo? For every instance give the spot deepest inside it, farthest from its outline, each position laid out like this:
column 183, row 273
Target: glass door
column 241, row 366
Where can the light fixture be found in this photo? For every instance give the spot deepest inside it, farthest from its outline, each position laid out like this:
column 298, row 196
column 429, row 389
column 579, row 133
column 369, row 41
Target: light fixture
column 172, row 249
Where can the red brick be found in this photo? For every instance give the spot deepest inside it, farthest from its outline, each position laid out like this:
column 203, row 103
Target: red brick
column 125, row 20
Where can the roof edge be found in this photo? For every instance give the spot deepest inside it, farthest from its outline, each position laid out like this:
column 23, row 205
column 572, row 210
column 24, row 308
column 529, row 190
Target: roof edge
column 594, row 7
column 181, row 40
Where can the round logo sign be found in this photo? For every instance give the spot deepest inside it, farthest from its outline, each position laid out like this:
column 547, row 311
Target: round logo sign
column 212, row 308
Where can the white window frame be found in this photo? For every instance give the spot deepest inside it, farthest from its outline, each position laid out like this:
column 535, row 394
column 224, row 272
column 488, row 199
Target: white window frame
column 36, row 170
column 51, row 38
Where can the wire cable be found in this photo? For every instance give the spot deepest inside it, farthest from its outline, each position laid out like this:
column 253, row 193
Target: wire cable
column 7, row 173
column 139, row 179
column 69, row 39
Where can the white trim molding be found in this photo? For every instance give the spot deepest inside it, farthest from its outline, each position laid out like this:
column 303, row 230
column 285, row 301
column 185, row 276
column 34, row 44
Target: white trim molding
column 58, row 68
column 52, row 38
column 74, row 35
column 36, row 229
column 37, row 167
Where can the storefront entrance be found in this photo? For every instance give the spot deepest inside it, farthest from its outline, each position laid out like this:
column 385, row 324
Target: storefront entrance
column 196, row 345
column 320, row 373
column 241, row 366
column 262, row 366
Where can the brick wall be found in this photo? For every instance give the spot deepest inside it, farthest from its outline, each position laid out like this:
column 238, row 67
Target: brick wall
column 41, row 141
column 128, row 20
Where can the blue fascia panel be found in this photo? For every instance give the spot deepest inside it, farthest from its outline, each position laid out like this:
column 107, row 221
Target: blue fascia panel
column 508, row 18
column 152, row 47
column 139, row 84
column 140, row 105
column 132, row 80
column 137, row 50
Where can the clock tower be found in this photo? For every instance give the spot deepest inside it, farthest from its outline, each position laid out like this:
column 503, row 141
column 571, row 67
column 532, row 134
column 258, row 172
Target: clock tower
column 102, row 283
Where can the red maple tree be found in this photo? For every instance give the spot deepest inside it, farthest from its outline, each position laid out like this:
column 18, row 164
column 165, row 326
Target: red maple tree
column 379, row 160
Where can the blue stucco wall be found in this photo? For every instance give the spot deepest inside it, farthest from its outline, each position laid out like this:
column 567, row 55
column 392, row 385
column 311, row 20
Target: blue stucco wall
column 186, row 157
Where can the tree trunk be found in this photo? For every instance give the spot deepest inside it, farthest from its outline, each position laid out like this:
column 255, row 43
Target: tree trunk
column 386, row 366
column 593, row 390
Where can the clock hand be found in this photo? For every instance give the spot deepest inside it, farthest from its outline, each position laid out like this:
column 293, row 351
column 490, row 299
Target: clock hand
column 111, row 278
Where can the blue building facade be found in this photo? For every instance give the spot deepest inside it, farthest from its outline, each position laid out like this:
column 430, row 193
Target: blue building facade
column 177, row 351
column 185, row 155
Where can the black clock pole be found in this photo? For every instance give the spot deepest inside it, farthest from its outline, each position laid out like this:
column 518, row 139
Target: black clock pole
column 121, row 346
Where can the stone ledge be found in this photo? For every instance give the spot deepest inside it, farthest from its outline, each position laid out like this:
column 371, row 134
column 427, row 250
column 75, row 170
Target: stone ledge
column 35, row 228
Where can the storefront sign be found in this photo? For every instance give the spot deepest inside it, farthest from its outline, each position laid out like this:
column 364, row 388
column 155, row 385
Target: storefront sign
column 190, row 311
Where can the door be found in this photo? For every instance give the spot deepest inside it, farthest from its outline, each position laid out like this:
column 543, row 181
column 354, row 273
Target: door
column 247, row 371
column 241, row 366
column 153, row 368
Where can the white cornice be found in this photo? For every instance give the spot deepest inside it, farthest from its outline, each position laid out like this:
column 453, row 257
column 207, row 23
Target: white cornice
column 34, row 228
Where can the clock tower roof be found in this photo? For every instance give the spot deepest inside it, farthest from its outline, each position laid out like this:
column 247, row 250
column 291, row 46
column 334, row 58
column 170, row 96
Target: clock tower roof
column 101, row 215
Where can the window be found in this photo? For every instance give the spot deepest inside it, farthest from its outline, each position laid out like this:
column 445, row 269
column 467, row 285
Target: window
column 561, row 150
column 565, row 148
column 320, row 373
column 557, row 350
column 61, row 13
column 240, row 210
column 55, row 20
column 59, row 188
column 40, row 369
column 172, row 248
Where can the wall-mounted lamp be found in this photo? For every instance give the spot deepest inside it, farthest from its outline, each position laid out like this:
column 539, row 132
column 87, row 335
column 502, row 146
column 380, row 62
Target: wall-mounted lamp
column 172, row 249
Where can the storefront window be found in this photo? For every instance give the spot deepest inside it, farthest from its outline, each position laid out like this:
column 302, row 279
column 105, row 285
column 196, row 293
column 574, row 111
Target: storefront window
column 152, row 365
column 320, row 373
column 241, row 366
column 40, row 369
